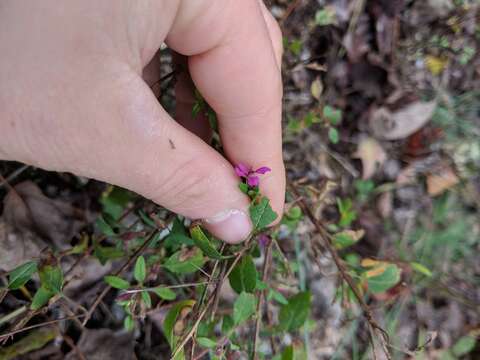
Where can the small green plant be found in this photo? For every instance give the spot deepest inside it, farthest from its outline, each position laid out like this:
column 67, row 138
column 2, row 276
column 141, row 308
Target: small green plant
column 326, row 16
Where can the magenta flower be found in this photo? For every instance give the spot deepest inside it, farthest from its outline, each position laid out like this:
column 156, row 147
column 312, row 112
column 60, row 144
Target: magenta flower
column 249, row 174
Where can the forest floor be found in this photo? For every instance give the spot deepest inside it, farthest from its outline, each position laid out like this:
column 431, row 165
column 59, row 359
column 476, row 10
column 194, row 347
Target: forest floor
column 377, row 256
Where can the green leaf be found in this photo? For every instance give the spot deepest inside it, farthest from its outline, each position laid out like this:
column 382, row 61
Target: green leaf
column 243, row 187
column 262, row 214
column 464, row 345
column 140, row 271
column 347, row 213
column 165, row 293
column 105, row 253
column 325, row 16
column 244, row 307
column 129, row 323
column 171, row 319
column 203, row 242
column 333, row 135
column 116, row 282
column 40, row 298
column 294, row 125
column 421, row 269
column 347, row 238
column 243, row 277
column 385, row 280
column 21, row 274
column 334, row 116
column 227, row 324
column 104, row 227
column 295, row 47
column 181, row 263
column 115, row 200
column 147, row 300
column 177, row 237
column 294, row 314
column 206, row 343
column 277, row 296
column 51, row 278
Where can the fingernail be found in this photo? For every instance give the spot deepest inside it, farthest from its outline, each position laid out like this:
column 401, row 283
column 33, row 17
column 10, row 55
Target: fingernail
column 232, row 226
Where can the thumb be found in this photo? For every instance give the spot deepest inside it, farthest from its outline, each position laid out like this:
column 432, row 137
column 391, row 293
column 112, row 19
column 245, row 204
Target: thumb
column 151, row 154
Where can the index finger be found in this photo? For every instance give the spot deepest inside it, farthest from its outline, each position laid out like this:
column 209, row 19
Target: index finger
column 232, row 61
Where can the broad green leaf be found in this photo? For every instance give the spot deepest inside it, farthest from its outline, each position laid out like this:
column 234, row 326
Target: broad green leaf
column 203, row 242
column 116, row 282
column 140, row 271
column 115, row 200
column 104, row 227
column 421, row 269
column 21, row 274
column 347, row 238
column 464, row 345
column 333, row 135
column 333, row 115
column 165, row 293
column 206, row 342
column 185, row 263
column 105, row 253
column 262, row 214
column 244, row 307
column 243, row 187
column 277, row 296
column 129, row 323
column 51, row 278
column 294, row 213
column 385, row 280
column 147, row 300
column 171, row 319
column 177, row 237
column 294, row 314
column 227, row 324
column 41, row 298
column 243, row 277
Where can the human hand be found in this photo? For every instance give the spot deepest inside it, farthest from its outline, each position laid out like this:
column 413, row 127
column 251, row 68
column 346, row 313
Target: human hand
column 73, row 98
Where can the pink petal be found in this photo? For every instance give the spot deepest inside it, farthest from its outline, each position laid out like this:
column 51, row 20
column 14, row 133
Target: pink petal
column 253, row 181
column 242, row 170
column 263, row 170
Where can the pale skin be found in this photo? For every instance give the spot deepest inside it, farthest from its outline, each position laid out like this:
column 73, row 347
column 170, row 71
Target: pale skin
column 74, row 97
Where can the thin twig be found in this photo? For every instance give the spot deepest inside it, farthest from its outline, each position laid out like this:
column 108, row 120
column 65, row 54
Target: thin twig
column 261, row 296
column 130, row 261
column 11, row 333
column 326, row 242
column 13, row 175
column 210, row 301
column 13, row 314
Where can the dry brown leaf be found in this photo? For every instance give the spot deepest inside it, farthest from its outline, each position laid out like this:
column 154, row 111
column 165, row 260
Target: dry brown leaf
column 316, row 88
column 372, row 155
column 17, row 247
column 401, row 123
column 441, row 181
column 27, row 209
